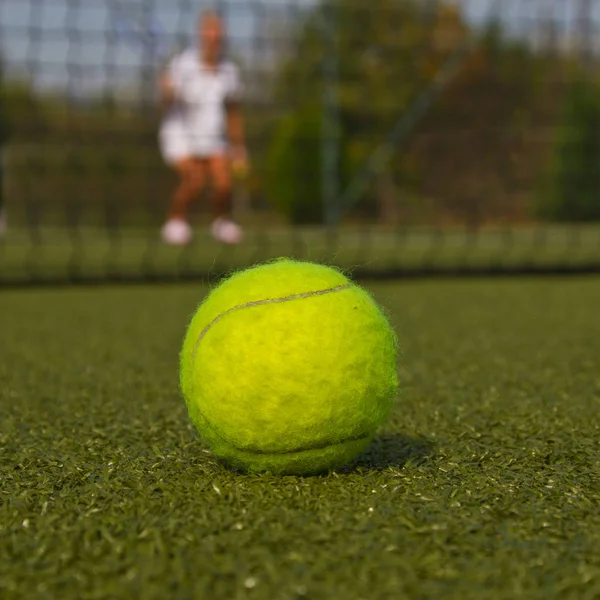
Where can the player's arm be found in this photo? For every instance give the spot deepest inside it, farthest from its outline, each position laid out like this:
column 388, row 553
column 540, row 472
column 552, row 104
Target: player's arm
column 236, row 134
column 166, row 91
column 235, row 125
column 169, row 83
column 235, row 122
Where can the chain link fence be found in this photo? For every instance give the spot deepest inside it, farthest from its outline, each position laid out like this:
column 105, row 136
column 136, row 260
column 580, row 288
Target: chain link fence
column 403, row 137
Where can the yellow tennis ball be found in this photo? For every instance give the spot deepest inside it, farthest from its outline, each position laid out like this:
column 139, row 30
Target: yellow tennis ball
column 288, row 367
column 239, row 167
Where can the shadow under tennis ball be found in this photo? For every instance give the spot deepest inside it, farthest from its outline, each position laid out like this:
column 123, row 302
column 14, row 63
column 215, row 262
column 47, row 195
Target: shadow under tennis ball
column 385, row 451
column 394, row 450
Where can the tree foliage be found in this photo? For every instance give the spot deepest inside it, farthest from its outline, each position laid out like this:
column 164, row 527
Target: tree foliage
column 386, row 53
column 573, row 188
column 478, row 151
column 473, row 157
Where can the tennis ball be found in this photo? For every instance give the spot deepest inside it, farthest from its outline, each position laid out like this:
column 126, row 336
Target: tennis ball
column 239, row 168
column 288, row 367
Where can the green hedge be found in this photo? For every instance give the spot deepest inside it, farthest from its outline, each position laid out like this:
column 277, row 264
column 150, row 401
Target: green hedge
column 572, row 191
column 294, row 169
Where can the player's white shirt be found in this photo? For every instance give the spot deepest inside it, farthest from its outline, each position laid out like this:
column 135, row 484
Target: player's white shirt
column 196, row 125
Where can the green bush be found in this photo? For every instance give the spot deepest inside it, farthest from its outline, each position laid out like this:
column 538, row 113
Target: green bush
column 294, row 171
column 572, row 192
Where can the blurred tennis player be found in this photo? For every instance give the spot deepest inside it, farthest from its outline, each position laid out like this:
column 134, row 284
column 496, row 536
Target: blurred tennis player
column 202, row 132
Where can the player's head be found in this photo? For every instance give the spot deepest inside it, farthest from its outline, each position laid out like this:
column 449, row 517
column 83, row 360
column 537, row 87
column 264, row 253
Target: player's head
column 211, row 34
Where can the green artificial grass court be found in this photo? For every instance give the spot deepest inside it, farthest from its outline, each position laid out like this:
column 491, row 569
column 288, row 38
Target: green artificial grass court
column 484, row 484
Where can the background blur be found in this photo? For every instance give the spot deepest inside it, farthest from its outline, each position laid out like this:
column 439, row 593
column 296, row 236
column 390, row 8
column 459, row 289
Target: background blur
column 392, row 137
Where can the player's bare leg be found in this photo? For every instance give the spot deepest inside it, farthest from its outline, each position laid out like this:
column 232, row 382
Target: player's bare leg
column 177, row 230
column 223, row 228
column 192, row 174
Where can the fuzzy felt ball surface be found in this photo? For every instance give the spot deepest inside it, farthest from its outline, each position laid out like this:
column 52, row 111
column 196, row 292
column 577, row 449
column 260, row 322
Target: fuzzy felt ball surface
column 288, row 367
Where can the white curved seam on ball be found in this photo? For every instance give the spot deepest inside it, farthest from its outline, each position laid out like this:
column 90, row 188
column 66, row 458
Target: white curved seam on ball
column 253, row 303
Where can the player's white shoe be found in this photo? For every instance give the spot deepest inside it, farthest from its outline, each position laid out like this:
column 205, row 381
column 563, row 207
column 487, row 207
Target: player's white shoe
column 226, row 231
column 176, row 232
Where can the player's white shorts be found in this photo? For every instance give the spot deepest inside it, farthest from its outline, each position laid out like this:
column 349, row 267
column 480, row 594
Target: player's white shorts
column 173, row 141
column 177, row 142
